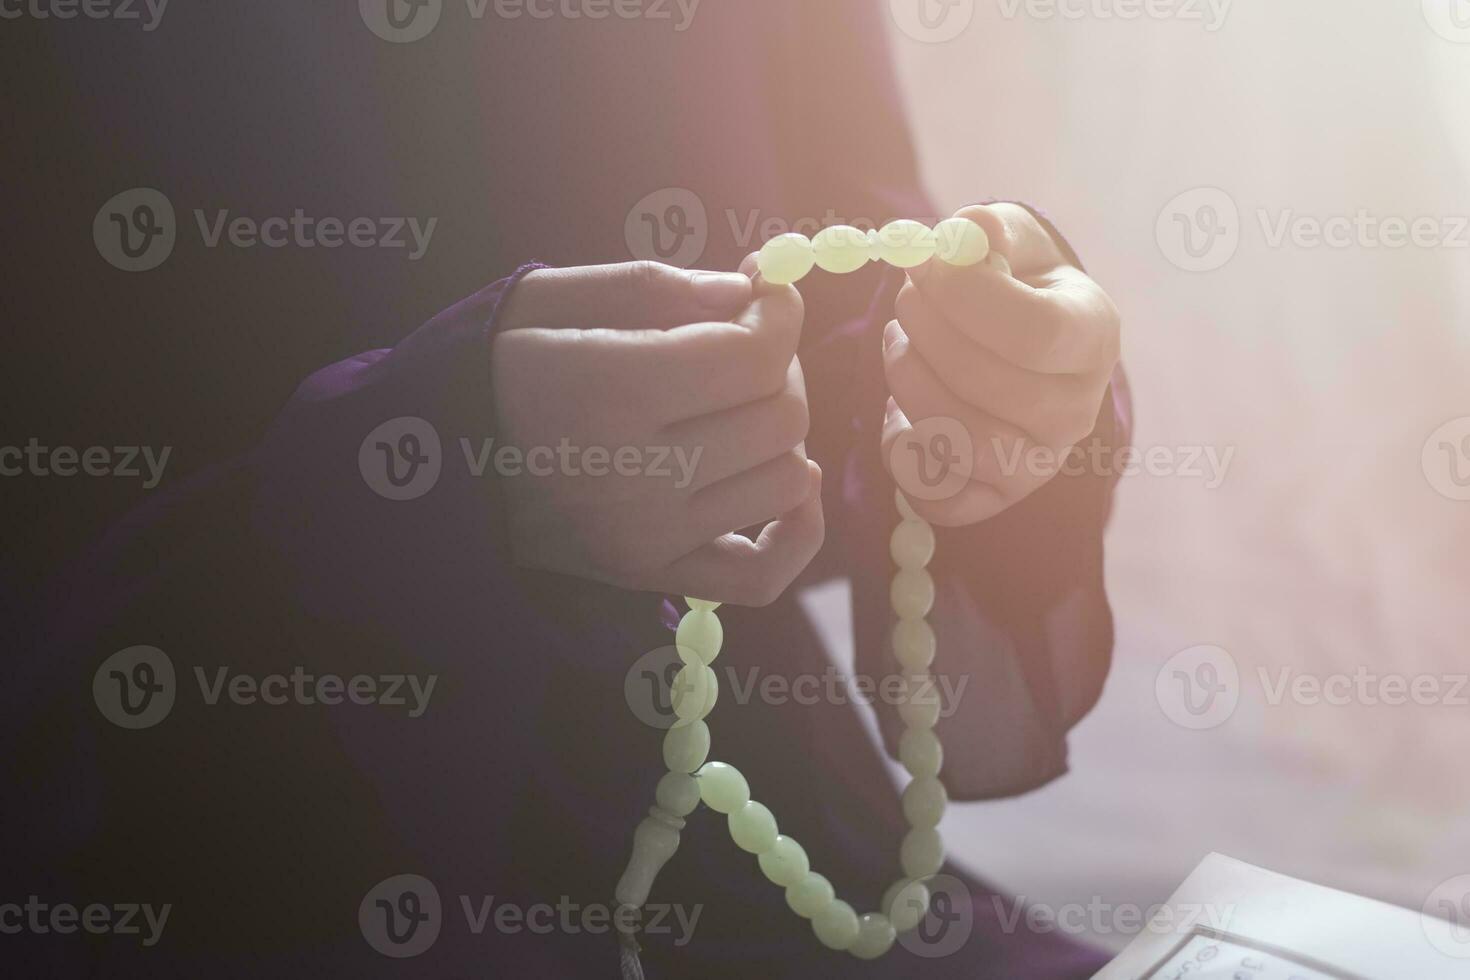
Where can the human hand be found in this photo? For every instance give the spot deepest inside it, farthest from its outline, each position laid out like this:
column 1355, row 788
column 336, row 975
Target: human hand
column 694, row 374
column 1018, row 350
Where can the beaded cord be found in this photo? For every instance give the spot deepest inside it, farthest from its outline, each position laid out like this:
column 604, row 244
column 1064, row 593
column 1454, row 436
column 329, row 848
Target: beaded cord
column 691, row 778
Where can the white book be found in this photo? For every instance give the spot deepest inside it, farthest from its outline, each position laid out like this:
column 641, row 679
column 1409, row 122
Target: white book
column 1233, row 921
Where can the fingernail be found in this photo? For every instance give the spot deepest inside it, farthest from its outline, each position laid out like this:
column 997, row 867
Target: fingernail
column 720, row 290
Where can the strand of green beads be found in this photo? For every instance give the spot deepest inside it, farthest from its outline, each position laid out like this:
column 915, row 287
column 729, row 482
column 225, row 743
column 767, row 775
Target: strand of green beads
column 841, row 249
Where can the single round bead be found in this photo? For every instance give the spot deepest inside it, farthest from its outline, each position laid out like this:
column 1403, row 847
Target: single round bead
column 924, row 801
column 875, row 936
column 836, row 925
column 906, row 244
column 920, row 751
column 912, row 593
column 786, row 259
column 686, row 747
column 785, row 863
column 701, row 605
column 911, row 544
column 905, row 509
column 753, row 828
column 841, row 249
column 906, row 903
column 922, row 853
column 810, row 895
column 918, row 704
column 914, row 643
column 722, row 787
column 695, row 690
column 700, row 635
column 677, row 793
column 961, row 242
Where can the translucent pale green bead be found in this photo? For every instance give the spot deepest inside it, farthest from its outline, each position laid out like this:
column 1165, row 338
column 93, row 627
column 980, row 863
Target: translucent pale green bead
column 961, row 242
column 722, row 787
column 906, row 903
column 700, row 634
column 914, row 643
column 677, row 793
column 922, row 853
column 686, row 747
column 695, row 690
column 912, row 593
column 921, row 752
column 810, row 895
column 905, row 509
column 785, row 862
column 911, row 544
column 753, row 828
column 924, row 801
column 786, row 259
column 875, row 936
column 702, row 605
column 836, row 925
column 919, row 702
column 841, row 249
column 906, row 244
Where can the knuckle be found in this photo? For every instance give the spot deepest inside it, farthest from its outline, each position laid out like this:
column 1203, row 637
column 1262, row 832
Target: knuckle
column 792, row 480
column 793, row 416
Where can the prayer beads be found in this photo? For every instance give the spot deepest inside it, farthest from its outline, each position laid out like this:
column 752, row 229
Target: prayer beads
column 721, row 787
column 841, row 249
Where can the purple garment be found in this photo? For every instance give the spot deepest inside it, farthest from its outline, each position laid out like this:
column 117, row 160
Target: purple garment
column 526, row 776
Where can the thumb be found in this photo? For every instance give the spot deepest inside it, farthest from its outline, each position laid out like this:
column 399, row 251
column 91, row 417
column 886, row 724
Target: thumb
column 624, row 296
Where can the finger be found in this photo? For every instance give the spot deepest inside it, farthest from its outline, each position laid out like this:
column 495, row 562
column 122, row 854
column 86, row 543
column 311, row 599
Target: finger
column 739, row 439
column 624, row 296
column 972, row 503
column 921, row 395
column 1058, row 409
column 749, row 499
column 711, row 367
column 1059, row 323
column 737, row 570
column 1015, row 233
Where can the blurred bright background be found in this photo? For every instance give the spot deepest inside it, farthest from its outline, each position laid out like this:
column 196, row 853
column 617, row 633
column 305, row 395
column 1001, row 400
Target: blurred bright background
column 1328, row 548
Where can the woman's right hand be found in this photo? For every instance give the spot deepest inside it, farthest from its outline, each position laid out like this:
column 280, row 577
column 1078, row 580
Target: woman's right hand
column 688, row 383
